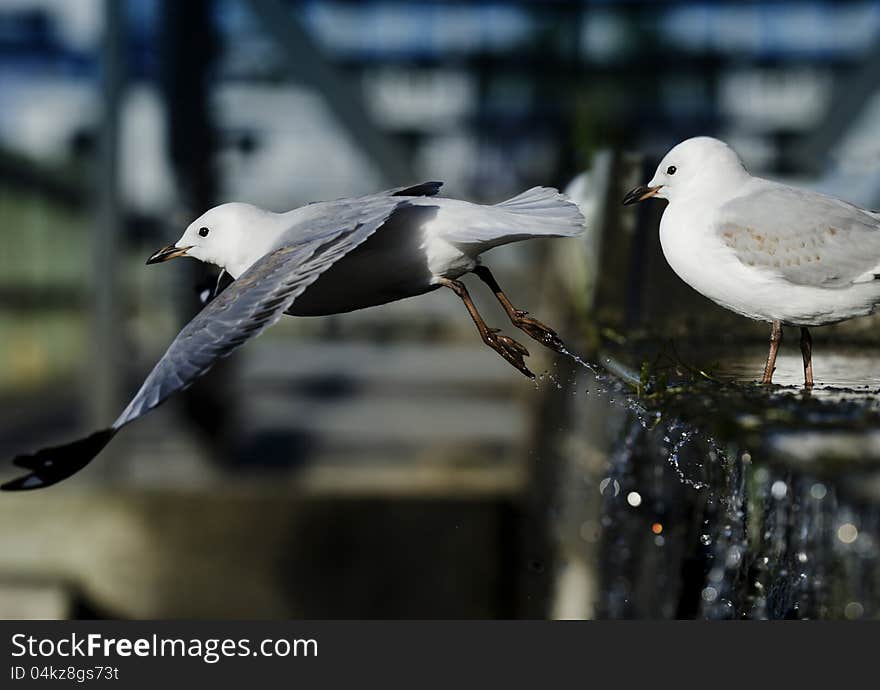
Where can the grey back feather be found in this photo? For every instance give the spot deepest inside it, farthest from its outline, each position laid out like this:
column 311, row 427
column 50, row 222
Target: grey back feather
column 806, row 237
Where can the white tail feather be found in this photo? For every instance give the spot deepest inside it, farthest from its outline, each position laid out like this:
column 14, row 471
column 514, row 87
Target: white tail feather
column 546, row 211
column 538, row 212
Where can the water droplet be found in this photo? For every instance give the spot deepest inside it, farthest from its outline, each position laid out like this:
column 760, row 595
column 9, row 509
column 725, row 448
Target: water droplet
column 734, row 556
column 589, row 531
column 847, row 533
column 609, row 482
column 853, row 610
column 727, row 606
column 705, row 539
column 634, row 499
column 802, row 557
column 779, row 490
column 710, row 594
column 818, row 491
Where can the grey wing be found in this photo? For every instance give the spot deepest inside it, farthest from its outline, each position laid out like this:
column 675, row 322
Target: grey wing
column 257, row 299
column 246, row 308
column 808, row 238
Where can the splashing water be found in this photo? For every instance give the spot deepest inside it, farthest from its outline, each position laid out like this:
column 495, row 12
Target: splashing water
column 617, row 389
column 723, row 536
column 760, row 543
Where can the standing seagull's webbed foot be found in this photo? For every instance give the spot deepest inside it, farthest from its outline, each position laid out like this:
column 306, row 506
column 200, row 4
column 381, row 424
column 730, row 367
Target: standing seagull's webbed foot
column 508, row 348
column 521, row 319
column 775, row 340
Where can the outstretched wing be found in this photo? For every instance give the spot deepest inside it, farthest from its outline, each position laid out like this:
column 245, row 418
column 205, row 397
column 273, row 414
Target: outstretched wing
column 249, row 306
column 245, row 309
column 807, row 238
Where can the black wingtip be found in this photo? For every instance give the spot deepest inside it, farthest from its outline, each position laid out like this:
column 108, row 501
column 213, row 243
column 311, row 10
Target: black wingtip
column 49, row 466
column 431, row 188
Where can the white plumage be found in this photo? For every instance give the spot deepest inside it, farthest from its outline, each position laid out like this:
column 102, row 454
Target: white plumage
column 426, row 240
column 325, row 258
column 762, row 249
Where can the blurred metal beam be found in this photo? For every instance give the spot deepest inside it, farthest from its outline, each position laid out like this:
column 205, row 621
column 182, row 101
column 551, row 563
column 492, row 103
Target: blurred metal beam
column 103, row 380
column 189, row 50
column 30, row 299
column 307, row 63
column 58, row 184
column 849, row 96
column 603, row 4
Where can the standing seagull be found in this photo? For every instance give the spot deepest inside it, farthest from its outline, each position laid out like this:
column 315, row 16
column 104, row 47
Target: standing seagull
column 327, row 258
column 763, row 249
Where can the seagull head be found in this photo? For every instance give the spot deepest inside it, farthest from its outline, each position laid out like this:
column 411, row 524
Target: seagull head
column 701, row 165
column 231, row 236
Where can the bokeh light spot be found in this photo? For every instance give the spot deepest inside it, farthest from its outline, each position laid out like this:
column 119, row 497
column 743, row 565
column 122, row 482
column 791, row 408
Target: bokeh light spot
column 847, row 533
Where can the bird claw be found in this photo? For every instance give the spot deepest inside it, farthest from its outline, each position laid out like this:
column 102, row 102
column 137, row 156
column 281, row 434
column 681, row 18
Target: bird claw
column 511, row 350
column 538, row 331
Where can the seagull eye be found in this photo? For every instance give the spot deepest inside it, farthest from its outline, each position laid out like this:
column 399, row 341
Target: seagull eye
column 203, row 232
column 670, row 170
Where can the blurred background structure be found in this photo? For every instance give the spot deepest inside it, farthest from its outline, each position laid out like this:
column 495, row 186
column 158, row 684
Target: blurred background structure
column 381, row 463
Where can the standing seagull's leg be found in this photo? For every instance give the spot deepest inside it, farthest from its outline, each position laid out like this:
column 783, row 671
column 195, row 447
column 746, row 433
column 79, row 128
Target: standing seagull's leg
column 807, row 352
column 508, row 348
column 775, row 339
column 521, row 319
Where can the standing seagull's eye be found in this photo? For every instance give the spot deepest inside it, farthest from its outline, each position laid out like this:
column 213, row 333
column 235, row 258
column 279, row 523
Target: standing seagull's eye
column 669, row 171
column 203, row 232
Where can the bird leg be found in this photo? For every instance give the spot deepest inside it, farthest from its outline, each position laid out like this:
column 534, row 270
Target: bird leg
column 521, row 319
column 219, row 281
column 807, row 352
column 508, row 348
column 775, row 339
column 206, row 293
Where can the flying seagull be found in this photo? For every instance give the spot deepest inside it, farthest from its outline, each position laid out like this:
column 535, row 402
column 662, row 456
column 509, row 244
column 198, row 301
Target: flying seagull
column 762, row 249
column 327, row 258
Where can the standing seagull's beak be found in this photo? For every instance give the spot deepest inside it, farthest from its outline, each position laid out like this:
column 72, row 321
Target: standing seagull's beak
column 166, row 253
column 641, row 193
